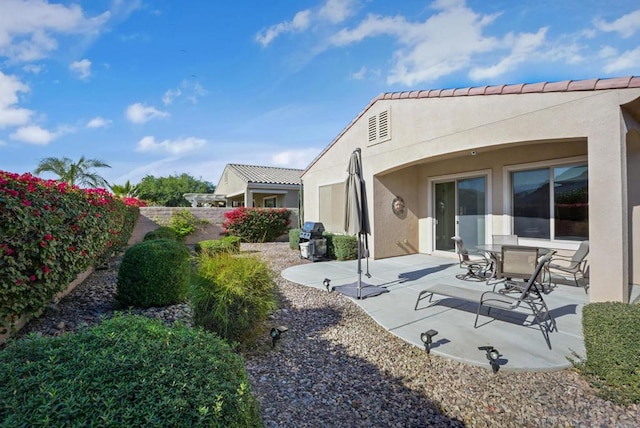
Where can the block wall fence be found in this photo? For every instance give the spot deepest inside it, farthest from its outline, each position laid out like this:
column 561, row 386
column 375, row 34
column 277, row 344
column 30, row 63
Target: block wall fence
column 153, row 217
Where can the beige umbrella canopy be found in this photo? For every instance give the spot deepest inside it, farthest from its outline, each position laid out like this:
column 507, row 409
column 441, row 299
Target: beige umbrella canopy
column 356, row 222
column 356, row 218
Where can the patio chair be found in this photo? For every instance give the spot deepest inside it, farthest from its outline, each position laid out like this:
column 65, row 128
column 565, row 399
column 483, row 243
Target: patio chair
column 505, row 239
column 529, row 295
column 515, row 267
column 477, row 267
column 574, row 265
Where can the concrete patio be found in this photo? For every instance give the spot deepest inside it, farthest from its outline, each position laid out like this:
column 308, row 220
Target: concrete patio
column 521, row 345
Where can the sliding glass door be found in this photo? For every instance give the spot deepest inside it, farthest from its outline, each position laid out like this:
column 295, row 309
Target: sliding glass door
column 459, row 209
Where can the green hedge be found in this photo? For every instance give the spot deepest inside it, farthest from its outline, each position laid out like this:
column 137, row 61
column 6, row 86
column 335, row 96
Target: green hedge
column 154, row 273
column 51, row 232
column 257, row 224
column 345, row 247
column 129, row 371
column 612, row 341
column 163, row 232
column 294, row 239
column 227, row 244
column 184, row 223
column 232, row 295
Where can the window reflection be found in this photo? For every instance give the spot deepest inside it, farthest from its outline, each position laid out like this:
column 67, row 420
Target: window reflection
column 533, row 202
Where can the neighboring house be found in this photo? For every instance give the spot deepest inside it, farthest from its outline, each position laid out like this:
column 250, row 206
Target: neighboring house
column 259, row 186
column 554, row 163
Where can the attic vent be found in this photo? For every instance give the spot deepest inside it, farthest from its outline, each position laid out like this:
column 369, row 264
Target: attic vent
column 379, row 128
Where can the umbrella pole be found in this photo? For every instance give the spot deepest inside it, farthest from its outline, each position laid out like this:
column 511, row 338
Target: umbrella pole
column 359, row 265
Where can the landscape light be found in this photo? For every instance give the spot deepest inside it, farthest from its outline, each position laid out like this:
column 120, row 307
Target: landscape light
column 427, row 339
column 493, row 355
column 275, row 334
column 326, row 283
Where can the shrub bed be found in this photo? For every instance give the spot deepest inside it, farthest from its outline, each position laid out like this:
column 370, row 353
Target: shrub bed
column 163, row 232
column 345, row 247
column 129, row 371
column 154, row 273
column 228, row 244
column 612, row 341
column 232, row 295
column 257, row 224
column 51, row 232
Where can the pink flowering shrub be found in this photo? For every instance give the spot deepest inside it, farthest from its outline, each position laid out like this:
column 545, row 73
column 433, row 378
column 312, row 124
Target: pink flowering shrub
column 257, row 224
column 49, row 233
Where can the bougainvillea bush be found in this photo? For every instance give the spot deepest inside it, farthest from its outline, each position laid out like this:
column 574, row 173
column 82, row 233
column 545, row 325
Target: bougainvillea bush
column 49, row 233
column 257, row 224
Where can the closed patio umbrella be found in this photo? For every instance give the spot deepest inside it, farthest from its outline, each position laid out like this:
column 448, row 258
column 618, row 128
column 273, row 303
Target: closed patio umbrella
column 356, row 219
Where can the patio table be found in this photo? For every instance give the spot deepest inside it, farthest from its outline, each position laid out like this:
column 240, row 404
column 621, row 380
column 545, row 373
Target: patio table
column 495, row 252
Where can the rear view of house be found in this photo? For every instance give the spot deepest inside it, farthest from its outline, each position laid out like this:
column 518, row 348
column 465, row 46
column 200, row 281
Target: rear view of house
column 554, row 163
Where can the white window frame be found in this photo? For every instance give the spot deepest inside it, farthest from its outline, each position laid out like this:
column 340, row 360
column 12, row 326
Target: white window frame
column 428, row 244
column 507, row 202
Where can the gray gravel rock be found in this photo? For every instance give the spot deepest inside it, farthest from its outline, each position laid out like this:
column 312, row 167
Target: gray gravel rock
column 336, row 367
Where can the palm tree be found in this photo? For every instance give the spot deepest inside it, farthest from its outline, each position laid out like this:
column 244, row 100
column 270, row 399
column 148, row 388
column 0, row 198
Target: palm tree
column 78, row 173
column 124, row 190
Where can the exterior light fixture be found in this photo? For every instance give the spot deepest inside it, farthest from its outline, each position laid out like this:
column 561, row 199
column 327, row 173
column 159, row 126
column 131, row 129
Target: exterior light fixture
column 427, row 339
column 275, row 334
column 473, row 152
column 326, row 284
column 493, row 355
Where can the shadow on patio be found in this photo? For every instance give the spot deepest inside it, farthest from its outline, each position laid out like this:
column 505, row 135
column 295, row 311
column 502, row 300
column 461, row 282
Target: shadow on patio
column 522, row 345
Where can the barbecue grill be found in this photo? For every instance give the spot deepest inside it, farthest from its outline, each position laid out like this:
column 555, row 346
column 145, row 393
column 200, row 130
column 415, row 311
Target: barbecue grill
column 311, row 243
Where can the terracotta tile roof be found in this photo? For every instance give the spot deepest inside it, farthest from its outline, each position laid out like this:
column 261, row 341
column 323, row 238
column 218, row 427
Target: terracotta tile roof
column 267, row 174
column 520, row 88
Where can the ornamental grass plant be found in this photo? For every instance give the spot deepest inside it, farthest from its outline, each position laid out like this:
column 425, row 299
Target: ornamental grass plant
column 232, row 295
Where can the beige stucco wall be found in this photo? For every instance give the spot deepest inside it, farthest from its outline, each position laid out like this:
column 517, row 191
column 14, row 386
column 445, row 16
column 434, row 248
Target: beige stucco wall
column 435, row 136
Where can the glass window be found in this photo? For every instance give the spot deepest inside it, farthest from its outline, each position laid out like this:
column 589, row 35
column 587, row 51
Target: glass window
column 269, row 202
column 537, row 211
column 571, row 203
column 531, row 202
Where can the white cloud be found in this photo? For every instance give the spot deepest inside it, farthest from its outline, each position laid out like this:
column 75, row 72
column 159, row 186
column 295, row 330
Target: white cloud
column 445, row 43
column 139, row 113
column 10, row 115
column 626, row 25
column 33, row 68
column 336, row 11
column 522, row 48
column 170, row 95
column 300, row 22
column 295, row 158
column 81, row 68
column 28, row 27
column 33, row 134
column 98, row 122
column 175, row 147
column 626, row 61
column 360, row 74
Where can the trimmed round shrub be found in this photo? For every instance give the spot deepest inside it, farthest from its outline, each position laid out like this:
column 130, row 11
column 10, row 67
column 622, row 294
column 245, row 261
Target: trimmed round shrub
column 228, row 244
column 294, row 238
column 130, row 371
column 345, row 247
column 163, row 232
column 232, row 295
column 154, row 273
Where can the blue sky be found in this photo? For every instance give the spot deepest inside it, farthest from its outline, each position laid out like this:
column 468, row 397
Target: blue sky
column 165, row 87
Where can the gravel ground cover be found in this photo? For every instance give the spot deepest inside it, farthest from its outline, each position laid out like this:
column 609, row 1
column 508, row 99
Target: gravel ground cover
column 335, row 367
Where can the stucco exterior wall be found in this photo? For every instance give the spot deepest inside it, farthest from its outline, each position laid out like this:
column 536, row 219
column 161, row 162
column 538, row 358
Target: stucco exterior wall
column 435, row 136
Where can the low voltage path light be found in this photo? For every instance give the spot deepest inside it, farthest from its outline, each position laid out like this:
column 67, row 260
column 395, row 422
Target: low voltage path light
column 493, row 355
column 275, row 334
column 326, row 283
column 427, row 339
